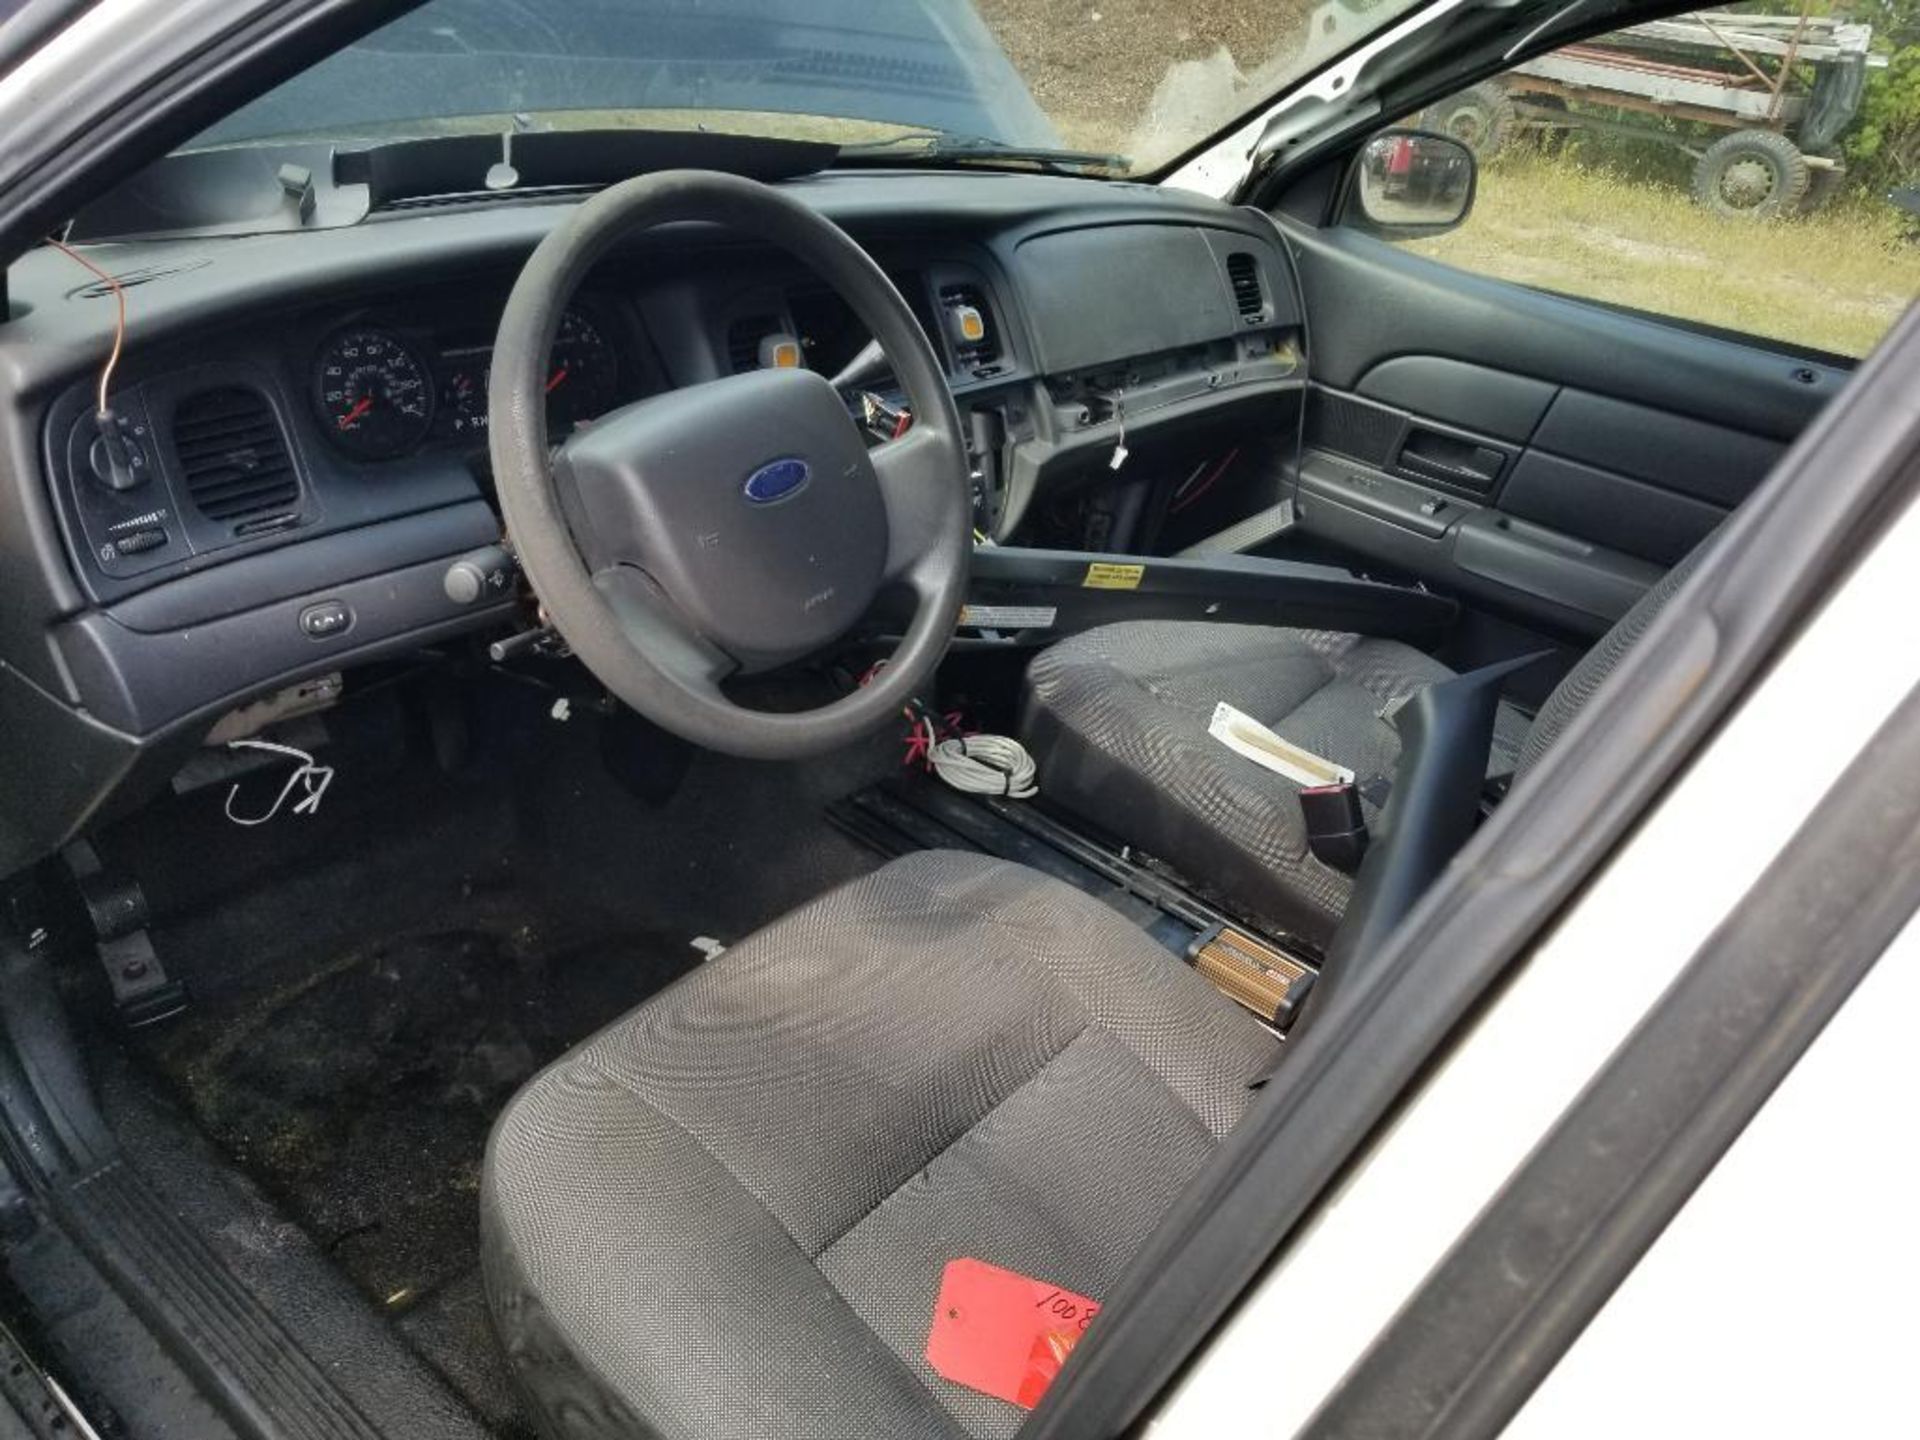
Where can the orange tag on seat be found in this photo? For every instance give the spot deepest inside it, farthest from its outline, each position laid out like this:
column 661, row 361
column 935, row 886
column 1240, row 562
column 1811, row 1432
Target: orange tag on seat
column 1003, row 1333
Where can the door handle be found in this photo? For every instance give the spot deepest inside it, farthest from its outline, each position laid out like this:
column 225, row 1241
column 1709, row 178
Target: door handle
column 1449, row 460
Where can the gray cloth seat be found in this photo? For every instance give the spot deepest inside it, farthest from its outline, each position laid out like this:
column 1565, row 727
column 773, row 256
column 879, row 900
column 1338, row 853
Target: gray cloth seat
column 1117, row 720
column 728, row 1213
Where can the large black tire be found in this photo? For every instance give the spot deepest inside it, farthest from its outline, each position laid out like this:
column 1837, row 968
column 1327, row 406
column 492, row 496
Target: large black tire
column 1480, row 117
column 1751, row 175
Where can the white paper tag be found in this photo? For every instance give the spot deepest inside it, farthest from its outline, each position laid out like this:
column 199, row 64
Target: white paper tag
column 1244, row 735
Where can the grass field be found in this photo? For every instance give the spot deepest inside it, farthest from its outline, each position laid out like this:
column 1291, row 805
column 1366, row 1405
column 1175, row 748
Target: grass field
column 1835, row 280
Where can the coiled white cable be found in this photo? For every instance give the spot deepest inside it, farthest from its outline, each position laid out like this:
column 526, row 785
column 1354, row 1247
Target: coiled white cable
column 987, row 765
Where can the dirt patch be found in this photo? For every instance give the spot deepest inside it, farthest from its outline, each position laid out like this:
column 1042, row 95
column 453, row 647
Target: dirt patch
column 1139, row 76
column 1640, row 251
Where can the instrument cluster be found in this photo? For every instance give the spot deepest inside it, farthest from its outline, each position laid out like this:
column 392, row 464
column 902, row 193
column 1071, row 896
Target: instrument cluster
column 383, row 391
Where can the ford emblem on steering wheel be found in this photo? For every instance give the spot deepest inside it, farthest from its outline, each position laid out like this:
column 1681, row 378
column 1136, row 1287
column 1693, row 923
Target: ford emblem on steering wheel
column 777, row 481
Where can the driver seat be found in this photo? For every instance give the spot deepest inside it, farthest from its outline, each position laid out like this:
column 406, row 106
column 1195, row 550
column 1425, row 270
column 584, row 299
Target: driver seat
column 728, row 1213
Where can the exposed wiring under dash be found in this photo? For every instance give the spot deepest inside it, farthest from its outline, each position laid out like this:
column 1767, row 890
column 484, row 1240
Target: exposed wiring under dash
column 1120, row 452
column 986, row 765
column 1189, row 492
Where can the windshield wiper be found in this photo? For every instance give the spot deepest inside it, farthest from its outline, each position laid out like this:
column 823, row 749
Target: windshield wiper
column 944, row 147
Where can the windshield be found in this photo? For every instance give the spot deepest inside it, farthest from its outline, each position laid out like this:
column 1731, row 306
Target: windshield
column 1140, row 81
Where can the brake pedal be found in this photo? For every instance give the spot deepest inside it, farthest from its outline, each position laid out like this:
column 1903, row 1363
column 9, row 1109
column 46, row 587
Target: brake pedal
column 1251, row 972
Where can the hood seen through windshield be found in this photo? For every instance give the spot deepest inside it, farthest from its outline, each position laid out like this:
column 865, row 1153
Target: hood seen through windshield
column 1135, row 79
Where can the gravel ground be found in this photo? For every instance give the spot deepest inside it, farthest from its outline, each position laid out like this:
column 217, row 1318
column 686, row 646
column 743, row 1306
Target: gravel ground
column 1144, row 77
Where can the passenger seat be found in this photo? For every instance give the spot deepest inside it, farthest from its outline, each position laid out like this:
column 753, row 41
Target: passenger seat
column 1117, row 720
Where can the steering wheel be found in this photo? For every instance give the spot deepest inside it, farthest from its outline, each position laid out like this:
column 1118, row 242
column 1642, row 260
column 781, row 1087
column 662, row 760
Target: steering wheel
column 740, row 524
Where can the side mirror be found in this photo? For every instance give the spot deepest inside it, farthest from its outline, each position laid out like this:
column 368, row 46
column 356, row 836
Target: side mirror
column 1408, row 183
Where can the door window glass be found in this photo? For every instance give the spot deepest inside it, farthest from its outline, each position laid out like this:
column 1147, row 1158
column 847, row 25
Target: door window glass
column 1748, row 171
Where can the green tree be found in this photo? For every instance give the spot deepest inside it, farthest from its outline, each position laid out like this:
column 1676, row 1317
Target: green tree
column 1883, row 147
column 1896, row 23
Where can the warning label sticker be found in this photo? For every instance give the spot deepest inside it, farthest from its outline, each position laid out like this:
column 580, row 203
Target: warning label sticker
column 1105, row 575
column 1008, row 617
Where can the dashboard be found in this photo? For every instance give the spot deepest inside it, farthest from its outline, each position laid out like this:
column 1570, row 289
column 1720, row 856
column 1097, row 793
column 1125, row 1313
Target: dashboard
column 304, row 418
column 314, row 419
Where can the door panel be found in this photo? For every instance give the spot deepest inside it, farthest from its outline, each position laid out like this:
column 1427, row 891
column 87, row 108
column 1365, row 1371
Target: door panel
column 1480, row 397
column 1546, row 456
column 1604, row 506
column 1711, row 462
column 1368, row 301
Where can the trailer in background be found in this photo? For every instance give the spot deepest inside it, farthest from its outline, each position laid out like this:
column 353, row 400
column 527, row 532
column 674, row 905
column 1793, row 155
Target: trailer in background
column 1783, row 87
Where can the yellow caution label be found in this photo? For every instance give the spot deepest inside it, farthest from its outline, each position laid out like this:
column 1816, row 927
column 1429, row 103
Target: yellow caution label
column 1103, row 575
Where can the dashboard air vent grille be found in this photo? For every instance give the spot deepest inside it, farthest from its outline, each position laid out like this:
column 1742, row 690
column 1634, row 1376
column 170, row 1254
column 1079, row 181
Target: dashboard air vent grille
column 128, row 279
column 743, row 340
column 1243, row 271
column 970, row 353
column 232, row 455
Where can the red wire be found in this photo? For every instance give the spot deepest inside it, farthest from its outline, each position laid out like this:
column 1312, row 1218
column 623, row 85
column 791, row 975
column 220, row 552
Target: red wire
column 120, row 324
column 920, row 739
column 1205, row 485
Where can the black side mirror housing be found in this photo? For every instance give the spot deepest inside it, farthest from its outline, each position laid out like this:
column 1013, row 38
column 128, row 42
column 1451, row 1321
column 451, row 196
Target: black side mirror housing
column 1405, row 184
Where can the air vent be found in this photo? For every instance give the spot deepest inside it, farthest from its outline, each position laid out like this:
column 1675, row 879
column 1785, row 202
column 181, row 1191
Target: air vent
column 232, row 455
column 1243, row 271
column 129, row 279
column 971, row 354
column 743, row 341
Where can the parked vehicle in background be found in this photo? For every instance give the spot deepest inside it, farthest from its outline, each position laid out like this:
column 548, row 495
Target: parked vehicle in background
column 1782, row 88
column 1404, row 168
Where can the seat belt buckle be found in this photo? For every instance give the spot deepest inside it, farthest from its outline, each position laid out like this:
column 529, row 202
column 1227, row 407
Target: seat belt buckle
column 1336, row 826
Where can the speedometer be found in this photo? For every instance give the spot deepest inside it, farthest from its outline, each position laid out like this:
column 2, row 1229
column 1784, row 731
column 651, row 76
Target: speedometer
column 373, row 394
